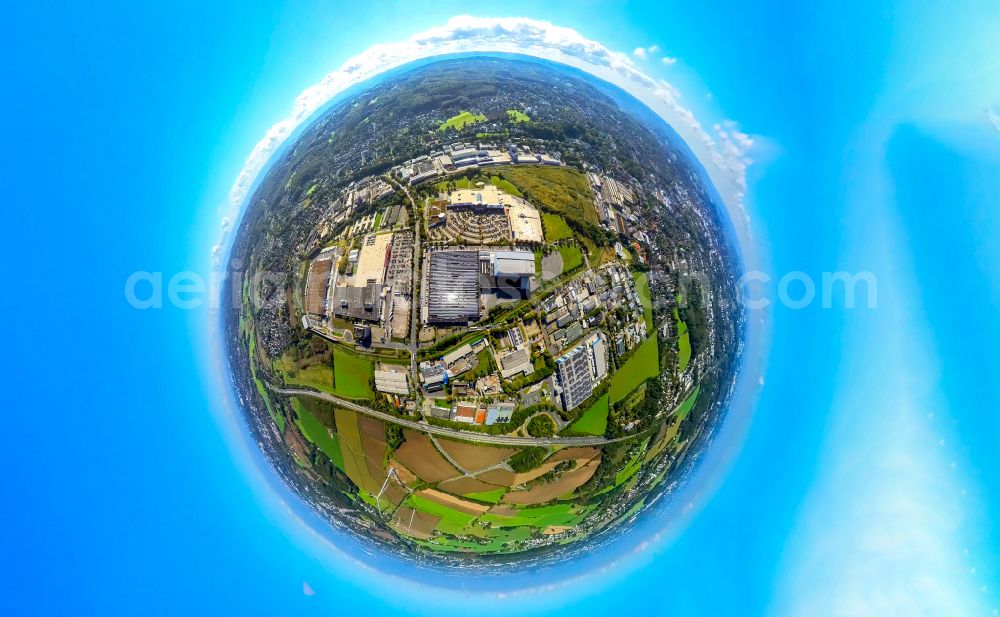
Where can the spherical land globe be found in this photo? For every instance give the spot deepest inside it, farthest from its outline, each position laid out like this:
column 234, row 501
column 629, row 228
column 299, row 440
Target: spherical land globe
column 483, row 310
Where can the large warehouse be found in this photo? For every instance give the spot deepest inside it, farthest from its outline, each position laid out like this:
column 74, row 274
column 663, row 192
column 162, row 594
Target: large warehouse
column 509, row 272
column 453, row 287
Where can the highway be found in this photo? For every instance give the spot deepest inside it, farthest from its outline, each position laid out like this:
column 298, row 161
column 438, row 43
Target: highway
column 422, row 426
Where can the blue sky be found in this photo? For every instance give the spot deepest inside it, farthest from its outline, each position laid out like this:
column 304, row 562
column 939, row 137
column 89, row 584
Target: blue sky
column 866, row 482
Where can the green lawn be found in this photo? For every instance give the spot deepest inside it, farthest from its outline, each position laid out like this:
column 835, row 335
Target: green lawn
column 505, row 186
column 318, row 434
column 643, row 364
column 555, row 227
column 572, row 257
column 352, row 374
column 516, row 115
column 683, row 342
column 460, row 121
column 463, row 183
column 642, row 287
column 594, row 421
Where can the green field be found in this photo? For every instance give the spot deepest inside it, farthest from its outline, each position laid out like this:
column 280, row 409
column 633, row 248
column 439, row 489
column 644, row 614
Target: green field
column 594, row 421
column 643, row 364
column 277, row 417
column 631, row 468
column 556, row 228
column 688, row 404
column 488, row 496
column 352, row 374
column 318, row 434
column 572, row 257
column 558, row 189
column 448, row 515
column 461, row 121
column 505, row 186
column 516, row 115
column 642, row 287
column 683, row 342
column 557, row 514
column 349, row 378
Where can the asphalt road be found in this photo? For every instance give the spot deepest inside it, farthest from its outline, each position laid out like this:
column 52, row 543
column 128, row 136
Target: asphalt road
column 500, row 440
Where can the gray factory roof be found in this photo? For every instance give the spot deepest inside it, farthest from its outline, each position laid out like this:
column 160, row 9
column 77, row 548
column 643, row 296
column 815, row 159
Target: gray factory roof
column 453, row 287
column 521, row 263
column 358, row 302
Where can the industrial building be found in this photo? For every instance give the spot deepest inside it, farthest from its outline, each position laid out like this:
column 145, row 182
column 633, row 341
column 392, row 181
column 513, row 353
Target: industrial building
column 498, row 413
column 433, row 376
column 508, row 272
column 318, row 283
column 599, row 353
column 392, row 382
column 364, row 303
column 453, row 287
column 516, row 362
column 576, row 379
column 484, row 199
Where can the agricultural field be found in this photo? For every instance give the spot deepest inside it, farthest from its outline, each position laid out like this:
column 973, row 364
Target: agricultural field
column 460, row 121
column 643, row 364
column 556, row 228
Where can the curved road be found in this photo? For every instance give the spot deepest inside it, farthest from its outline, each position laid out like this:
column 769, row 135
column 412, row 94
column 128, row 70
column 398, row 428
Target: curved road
column 500, row 440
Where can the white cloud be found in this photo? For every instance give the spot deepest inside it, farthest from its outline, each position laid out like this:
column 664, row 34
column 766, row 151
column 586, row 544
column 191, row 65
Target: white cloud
column 726, row 165
column 668, row 60
column 644, row 52
column 993, row 117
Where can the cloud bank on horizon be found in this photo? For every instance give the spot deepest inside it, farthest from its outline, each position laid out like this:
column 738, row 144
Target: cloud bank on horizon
column 722, row 148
